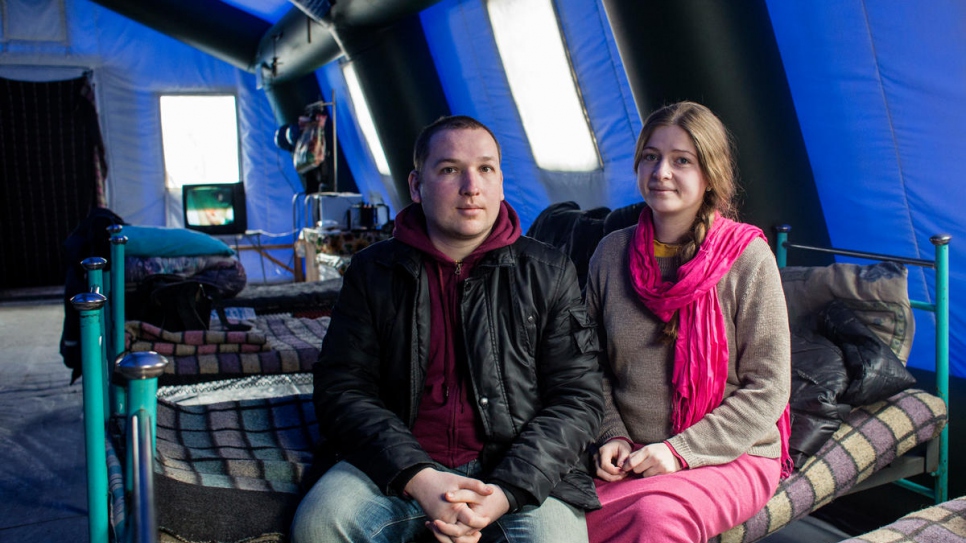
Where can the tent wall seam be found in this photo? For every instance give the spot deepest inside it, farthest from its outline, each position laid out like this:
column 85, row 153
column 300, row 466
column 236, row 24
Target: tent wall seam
column 895, row 142
column 618, row 70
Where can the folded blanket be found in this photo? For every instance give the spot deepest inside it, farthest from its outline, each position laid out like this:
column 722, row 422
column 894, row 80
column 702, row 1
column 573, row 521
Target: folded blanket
column 142, row 336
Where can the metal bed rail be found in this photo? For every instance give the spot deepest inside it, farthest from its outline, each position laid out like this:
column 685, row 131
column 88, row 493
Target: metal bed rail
column 133, row 402
column 937, row 455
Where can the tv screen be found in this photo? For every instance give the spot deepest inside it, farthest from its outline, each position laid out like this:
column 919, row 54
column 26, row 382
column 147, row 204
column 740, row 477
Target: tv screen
column 215, row 208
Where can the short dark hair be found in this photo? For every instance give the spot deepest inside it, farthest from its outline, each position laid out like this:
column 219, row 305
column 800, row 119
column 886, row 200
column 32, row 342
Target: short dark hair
column 452, row 122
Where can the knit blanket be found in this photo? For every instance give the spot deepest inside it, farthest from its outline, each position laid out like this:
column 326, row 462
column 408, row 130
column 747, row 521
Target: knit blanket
column 262, row 444
column 275, row 344
column 943, row 522
column 227, row 471
column 870, row 438
column 230, row 471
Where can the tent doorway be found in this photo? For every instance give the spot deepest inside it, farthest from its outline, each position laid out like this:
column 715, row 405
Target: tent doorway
column 51, row 171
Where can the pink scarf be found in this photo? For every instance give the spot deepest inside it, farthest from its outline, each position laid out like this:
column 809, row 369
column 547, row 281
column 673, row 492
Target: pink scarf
column 701, row 349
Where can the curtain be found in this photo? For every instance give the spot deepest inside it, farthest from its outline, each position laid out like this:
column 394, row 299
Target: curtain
column 52, row 172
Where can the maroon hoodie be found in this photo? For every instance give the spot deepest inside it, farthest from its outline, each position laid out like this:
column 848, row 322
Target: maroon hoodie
column 447, row 425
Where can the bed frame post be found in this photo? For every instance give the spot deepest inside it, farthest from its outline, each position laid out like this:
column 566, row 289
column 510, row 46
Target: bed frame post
column 117, row 316
column 781, row 250
column 95, row 283
column 90, row 305
column 941, row 243
column 141, row 369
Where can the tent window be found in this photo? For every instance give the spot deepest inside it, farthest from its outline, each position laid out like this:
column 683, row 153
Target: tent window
column 541, row 80
column 361, row 109
column 200, row 138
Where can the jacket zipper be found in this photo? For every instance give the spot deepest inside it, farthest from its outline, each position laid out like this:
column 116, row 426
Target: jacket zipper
column 459, row 267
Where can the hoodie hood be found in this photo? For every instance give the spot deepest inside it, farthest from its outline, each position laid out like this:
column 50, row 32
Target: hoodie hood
column 410, row 228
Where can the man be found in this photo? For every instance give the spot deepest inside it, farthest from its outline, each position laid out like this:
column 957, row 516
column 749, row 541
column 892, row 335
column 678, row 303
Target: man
column 458, row 379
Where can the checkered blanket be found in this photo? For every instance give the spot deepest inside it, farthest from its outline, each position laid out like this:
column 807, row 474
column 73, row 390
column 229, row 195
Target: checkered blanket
column 939, row 523
column 292, row 344
column 869, row 439
column 263, row 444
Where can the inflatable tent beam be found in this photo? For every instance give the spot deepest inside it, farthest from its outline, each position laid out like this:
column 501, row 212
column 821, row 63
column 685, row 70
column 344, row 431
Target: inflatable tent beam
column 396, row 69
column 303, row 44
column 239, row 38
column 385, row 42
column 725, row 56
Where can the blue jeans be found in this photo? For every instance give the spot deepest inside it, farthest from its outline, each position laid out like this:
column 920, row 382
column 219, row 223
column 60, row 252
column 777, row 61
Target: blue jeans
column 345, row 505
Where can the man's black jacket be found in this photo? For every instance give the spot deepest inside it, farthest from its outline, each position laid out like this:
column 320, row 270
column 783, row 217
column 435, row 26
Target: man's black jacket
column 532, row 354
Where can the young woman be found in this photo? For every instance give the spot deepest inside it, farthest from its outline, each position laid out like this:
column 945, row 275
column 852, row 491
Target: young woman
column 689, row 305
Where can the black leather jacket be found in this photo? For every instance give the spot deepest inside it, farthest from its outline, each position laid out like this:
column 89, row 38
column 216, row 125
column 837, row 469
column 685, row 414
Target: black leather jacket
column 533, row 367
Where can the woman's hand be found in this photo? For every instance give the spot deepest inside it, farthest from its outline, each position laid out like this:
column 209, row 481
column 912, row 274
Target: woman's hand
column 610, row 458
column 653, row 459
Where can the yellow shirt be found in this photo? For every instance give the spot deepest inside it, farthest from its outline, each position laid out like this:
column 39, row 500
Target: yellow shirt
column 663, row 250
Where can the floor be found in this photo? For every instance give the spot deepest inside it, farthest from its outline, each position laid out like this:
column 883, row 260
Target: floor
column 42, row 475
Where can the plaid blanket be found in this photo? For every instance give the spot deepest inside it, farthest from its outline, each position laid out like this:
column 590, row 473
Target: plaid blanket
column 943, row 522
column 869, row 439
column 291, row 345
column 143, row 336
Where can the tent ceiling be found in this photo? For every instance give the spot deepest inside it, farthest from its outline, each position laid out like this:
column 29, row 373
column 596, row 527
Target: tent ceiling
column 295, row 45
column 269, row 10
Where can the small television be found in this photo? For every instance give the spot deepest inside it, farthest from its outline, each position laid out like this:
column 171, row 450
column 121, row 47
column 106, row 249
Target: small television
column 217, row 209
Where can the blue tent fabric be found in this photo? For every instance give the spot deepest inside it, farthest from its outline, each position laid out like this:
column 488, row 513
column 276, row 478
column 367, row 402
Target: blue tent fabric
column 462, row 44
column 132, row 65
column 471, row 73
column 607, row 96
column 372, row 185
column 879, row 88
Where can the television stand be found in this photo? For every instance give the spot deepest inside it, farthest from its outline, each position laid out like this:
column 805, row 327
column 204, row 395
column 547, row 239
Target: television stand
column 253, row 242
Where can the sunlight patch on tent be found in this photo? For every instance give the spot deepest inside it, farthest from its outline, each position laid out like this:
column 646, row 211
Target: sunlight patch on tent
column 542, row 83
column 364, row 117
column 199, row 134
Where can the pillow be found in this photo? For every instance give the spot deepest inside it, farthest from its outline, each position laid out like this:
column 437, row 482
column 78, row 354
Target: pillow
column 876, row 293
column 160, row 241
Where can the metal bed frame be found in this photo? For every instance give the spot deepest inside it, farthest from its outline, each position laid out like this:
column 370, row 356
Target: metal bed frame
column 935, row 459
column 132, row 406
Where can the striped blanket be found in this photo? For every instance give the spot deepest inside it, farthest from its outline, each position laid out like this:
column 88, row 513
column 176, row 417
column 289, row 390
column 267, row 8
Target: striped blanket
column 143, row 336
column 870, row 438
column 943, row 522
column 276, row 344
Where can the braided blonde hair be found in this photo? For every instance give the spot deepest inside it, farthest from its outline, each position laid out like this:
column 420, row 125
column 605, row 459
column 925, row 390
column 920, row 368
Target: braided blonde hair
column 716, row 158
